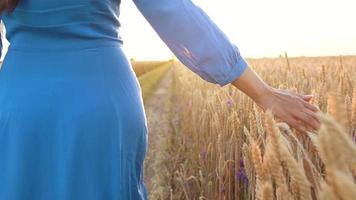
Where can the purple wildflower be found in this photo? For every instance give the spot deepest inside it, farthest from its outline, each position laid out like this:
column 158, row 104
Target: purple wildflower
column 230, row 103
column 178, row 109
column 222, row 189
column 242, row 165
column 241, row 174
column 203, row 154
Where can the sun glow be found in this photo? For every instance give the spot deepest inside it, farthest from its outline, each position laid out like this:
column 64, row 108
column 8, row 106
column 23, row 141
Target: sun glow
column 259, row 28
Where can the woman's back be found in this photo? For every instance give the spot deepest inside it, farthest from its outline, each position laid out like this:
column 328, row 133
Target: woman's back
column 64, row 24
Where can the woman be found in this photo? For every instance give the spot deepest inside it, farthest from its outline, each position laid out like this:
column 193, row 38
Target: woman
column 72, row 123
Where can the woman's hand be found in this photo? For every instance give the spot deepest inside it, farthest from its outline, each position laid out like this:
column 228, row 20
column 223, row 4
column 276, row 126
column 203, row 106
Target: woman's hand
column 291, row 108
column 288, row 106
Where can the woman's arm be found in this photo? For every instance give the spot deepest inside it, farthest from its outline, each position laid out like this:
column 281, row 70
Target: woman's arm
column 199, row 44
column 290, row 107
column 194, row 38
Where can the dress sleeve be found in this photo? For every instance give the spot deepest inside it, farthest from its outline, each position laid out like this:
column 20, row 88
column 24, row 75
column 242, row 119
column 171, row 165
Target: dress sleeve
column 194, row 39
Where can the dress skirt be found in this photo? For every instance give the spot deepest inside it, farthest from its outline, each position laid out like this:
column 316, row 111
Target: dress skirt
column 72, row 126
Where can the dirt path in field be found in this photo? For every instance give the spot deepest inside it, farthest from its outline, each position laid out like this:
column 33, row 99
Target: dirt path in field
column 157, row 108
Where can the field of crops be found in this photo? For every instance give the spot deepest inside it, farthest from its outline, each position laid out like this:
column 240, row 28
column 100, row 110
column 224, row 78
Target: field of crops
column 149, row 74
column 223, row 146
column 142, row 67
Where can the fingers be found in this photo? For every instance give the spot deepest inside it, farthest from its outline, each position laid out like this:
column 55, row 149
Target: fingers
column 312, row 110
column 315, row 117
column 307, row 98
column 298, row 125
column 311, row 107
column 305, row 117
column 313, row 114
column 309, row 119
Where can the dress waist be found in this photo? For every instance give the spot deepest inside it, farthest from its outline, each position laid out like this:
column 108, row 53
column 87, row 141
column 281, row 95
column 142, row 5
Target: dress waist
column 69, row 45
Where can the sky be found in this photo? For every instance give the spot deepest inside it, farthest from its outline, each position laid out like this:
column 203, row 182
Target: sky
column 260, row 28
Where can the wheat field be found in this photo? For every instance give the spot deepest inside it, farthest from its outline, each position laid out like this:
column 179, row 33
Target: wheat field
column 224, row 147
column 143, row 67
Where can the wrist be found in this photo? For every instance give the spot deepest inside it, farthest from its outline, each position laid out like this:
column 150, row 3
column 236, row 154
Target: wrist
column 263, row 95
column 254, row 87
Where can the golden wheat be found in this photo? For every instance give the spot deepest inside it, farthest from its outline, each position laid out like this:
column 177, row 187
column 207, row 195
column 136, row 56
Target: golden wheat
column 227, row 148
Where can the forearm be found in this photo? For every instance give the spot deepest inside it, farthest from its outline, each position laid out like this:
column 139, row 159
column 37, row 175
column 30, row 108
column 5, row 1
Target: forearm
column 252, row 85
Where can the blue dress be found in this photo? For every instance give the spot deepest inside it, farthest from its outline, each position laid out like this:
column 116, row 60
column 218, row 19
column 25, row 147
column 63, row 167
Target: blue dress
column 72, row 121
